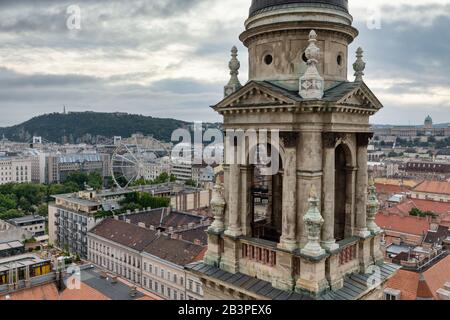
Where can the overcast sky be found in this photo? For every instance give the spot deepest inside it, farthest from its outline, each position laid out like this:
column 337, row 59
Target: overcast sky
column 168, row 58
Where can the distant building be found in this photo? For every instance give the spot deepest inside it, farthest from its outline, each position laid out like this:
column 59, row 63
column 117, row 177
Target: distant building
column 428, row 129
column 33, row 224
column 59, row 167
column 149, row 258
column 432, row 284
column 432, row 190
column 15, row 170
column 9, row 232
column 71, row 216
column 11, row 248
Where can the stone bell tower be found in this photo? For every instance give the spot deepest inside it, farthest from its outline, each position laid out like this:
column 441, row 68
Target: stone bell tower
column 307, row 230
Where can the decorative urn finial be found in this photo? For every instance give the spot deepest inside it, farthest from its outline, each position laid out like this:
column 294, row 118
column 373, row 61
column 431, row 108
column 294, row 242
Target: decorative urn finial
column 234, row 65
column 311, row 83
column 372, row 207
column 359, row 66
column 314, row 222
column 218, row 208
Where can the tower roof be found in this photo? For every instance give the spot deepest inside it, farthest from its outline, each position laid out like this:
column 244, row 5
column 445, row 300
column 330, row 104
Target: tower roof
column 258, row 5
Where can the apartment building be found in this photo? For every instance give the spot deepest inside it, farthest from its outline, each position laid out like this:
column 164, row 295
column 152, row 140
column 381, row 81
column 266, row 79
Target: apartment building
column 432, row 190
column 59, row 167
column 15, row 170
column 151, row 259
column 34, row 224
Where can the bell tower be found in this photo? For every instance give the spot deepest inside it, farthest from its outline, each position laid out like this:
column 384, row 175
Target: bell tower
column 307, row 229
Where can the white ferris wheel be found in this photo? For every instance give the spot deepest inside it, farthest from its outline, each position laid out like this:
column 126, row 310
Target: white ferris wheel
column 137, row 158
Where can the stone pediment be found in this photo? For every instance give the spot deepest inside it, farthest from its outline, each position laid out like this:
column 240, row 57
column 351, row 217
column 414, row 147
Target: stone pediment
column 255, row 94
column 360, row 97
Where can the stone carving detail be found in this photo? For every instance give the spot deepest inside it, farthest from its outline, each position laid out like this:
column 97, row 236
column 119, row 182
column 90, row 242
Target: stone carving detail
column 329, row 140
column 372, row 207
column 314, row 222
column 363, row 139
column 218, row 208
column 359, row 66
column 311, row 83
column 289, row 139
column 234, row 65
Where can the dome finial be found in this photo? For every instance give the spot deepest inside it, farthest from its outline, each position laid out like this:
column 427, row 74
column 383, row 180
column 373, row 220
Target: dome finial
column 234, row 65
column 311, row 83
column 359, row 66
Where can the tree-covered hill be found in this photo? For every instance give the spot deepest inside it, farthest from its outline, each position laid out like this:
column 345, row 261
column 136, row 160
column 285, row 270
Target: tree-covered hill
column 91, row 127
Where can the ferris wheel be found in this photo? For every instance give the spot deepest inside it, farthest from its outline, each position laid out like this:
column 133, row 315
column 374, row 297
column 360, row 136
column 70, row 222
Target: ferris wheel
column 138, row 158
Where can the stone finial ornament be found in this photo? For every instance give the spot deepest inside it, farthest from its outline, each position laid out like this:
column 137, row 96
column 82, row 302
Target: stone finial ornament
column 359, row 66
column 314, row 222
column 234, row 65
column 372, row 207
column 218, row 208
column 311, row 83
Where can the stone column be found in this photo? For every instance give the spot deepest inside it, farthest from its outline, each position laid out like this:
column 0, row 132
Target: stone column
column 361, row 185
column 289, row 220
column 328, row 188
column 350, row 202
column 234, row 228
column 246, row 200
column 309, row 174
column 276, row 201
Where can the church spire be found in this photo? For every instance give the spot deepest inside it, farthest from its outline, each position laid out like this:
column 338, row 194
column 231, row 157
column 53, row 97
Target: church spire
column 311, row 83
column 234, row 65
column 359, row 66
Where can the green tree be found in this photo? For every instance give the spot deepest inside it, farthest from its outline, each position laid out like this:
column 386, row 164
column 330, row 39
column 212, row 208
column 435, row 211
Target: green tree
column 11, row 214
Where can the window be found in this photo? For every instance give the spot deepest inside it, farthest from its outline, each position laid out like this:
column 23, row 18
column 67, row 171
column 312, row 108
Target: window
column 175, row 278
column 168, row 275
column 169, row 292
column 150, row 268
column 197, row 287
column 392, row 294
column 181, row 296
column 268, row 59
column 162, row 273
column 145, row 266
column 163, row 289
column 190, row 284
column 175, row 295
column 145, row 281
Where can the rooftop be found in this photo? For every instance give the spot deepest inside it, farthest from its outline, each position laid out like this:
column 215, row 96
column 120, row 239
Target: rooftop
column 20, row 261
column 92, row 287
column 179, row 252
column 410, row 225
column 27, row 219
column 436, row 187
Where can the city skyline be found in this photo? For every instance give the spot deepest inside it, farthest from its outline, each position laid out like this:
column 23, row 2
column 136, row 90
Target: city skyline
column 159, row 59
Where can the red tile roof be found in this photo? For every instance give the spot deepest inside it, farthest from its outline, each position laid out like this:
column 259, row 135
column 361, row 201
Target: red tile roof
column 410, row 225
column 438, row 275
column 389, row 188
column 405, row 281
column 404, row 208
column 438, row 187
column 423, row 290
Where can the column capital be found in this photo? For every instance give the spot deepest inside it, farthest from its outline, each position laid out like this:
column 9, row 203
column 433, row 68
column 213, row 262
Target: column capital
column 362, row 139
column 289, row 139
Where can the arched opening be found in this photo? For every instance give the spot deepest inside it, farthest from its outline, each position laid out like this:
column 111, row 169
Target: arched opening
column 267, row 203
column 340, row 191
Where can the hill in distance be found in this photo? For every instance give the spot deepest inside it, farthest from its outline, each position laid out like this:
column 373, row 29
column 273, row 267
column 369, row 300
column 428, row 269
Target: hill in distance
column 91, row 127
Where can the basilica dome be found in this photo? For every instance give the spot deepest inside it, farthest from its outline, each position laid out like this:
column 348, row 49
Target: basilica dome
column 258, row 5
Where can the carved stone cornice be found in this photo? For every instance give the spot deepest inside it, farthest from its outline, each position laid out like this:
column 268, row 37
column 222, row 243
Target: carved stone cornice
column 290, row 139
column 362, row 139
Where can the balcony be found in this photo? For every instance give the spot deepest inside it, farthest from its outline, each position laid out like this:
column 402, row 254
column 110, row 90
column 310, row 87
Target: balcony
column 259, row 254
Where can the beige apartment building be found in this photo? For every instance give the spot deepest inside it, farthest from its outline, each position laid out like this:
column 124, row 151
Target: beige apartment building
column 15, row 170
column 148, row 258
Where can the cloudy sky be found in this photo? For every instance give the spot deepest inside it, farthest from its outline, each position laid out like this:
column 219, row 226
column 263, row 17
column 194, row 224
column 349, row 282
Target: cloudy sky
column 168, row 58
